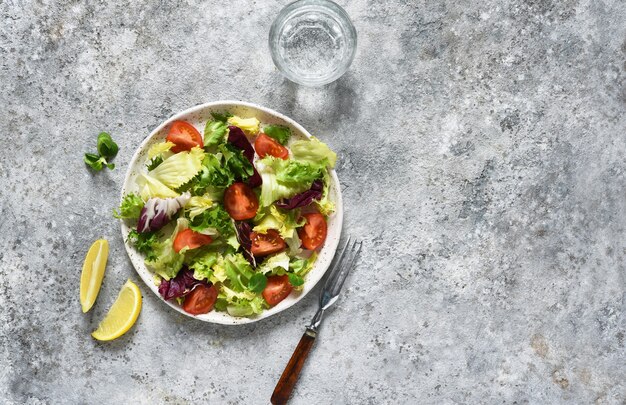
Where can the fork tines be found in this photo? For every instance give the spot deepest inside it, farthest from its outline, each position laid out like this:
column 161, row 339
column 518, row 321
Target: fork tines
column 340, row 270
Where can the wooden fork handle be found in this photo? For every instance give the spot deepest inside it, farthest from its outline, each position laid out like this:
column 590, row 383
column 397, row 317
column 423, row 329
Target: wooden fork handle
column 292, row 371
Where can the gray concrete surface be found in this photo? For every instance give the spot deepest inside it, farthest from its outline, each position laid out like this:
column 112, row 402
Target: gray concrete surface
column 482, row 157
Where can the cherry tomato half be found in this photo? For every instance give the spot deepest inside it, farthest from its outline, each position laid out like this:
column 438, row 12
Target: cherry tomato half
column 265, row 145
column 200, row 300
column 240, row 202
column 313, row 233
column 277, row 289
column 264, row 244
column 184, row 136
column 191, row 240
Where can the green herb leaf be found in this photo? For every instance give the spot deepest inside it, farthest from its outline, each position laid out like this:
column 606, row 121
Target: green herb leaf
column 214, row 133
column 278, row 132
column 94, row 161
column 106, row 146
column 130, row 208
column 223, row 117
column 257, row 282
column 295, row 279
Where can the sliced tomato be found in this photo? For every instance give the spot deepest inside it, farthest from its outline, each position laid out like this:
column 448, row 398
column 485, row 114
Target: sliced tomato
column 265, row 145
column 190, row 239
column 200, row 300
column 240, row 202
column 313, row 233
column 264, row 244
column 277, row 289
column 184, row 136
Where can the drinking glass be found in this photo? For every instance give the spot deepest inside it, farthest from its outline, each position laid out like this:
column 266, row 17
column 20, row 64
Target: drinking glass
column 312, row 42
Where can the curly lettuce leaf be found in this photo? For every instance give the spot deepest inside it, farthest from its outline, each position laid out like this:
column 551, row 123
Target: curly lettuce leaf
column 202, row 265
column 250, row 126
column 302, row 267
column 273, row 188
column 178, row 169
column 313, row 150
column 166, row 262
column 245, row 307
column 198, row 204
column 278, row 132
column 277, row 264
column 130, row 208
column 159, row 149
column 238, row 271
column 214, row 133
column 324, row 205
column 145, row 243
column 238, row 165
column 215, row 218
column 284, row 221
column 150, row 187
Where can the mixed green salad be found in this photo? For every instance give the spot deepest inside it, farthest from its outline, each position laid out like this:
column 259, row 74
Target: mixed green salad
column 225, row 225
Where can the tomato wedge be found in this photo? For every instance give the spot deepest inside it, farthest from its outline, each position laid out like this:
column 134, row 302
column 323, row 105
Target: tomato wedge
column 190, row 239
column 200, row 300
column 265, row 145
column 184, row 136
column 240, row 202
column 277, row 289
column 313, row 233
column 264, row 244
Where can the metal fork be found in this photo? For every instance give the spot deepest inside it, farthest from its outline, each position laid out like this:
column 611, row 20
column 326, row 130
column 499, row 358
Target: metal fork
column 328, row 296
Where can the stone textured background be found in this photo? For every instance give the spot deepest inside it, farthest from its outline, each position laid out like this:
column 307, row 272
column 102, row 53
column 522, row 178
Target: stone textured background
column 482, row 158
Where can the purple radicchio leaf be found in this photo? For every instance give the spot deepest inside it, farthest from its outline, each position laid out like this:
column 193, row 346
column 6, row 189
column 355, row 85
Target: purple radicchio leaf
column 180, row 285
column 157, row 212
column 243, row 235
column 238, row 139
column 303, row 199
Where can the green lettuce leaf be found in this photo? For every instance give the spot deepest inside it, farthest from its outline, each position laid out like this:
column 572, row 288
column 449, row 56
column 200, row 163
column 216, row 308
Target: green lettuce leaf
column 313, row 150
column 166, row 262
column 219, row 171
column 214, row 133
column 130, row 208
column 284, row 221
column 214, row 218
column 302, row 266
column 243, row 307
column 179, row 168
column 202, row 266
column 277, row 264
column 278, row 132
column 153, row 188
column 145, row 243
column 273, row 188
column 197, row 205
column 238, row 271
column 250, row 126
column 297, row 172
column 237, row 165
column 325, row 205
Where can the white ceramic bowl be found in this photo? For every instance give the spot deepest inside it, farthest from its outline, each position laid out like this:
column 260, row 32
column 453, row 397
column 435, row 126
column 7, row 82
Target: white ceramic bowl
column 198, row 116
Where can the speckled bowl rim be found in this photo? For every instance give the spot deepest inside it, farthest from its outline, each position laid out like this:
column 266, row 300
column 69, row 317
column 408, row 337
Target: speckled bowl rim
column 268, row 116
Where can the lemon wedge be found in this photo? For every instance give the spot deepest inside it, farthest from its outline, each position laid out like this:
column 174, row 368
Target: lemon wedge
column 93, row 271
column 122, row 315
